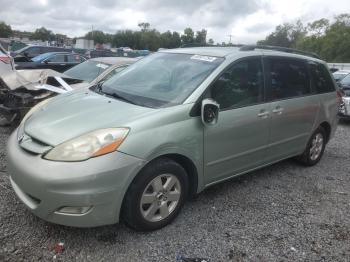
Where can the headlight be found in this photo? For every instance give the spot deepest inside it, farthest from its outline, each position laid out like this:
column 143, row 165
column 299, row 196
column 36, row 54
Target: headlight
column 96, row 143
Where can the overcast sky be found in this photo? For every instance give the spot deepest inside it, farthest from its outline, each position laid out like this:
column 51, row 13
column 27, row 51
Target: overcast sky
column 247, row 20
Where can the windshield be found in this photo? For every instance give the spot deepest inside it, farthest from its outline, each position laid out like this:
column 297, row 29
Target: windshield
column 346, row 80
column 87, row 71
column 162, row 79
column 339, row 76
column 41, row 57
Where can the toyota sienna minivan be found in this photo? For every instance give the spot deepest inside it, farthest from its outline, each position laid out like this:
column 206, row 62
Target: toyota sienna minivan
column 135, row 147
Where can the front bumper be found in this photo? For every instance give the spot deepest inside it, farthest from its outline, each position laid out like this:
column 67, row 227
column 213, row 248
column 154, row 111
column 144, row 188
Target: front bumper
column 45, row 186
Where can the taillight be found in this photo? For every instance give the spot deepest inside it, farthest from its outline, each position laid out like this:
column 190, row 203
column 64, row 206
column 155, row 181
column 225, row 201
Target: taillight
column 5, row 59
column 340, row 94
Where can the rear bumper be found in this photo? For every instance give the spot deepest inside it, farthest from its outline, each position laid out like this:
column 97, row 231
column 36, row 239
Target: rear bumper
column 344, row 110
column 46, row 186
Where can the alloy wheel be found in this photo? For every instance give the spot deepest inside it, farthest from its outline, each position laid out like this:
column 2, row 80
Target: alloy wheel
column 316, row 146
column 160, row 197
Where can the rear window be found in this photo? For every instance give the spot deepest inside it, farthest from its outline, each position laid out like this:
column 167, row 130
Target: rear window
column 339, row 76
column 321, row 78
column 74, row 58
column 346, row 80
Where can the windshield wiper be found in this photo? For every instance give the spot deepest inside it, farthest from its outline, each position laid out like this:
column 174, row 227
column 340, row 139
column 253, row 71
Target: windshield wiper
column 119, row 97
column 98, row 89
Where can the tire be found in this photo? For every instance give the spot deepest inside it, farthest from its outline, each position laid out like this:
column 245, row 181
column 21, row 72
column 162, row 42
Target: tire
column 314, row 152
column 147, row 205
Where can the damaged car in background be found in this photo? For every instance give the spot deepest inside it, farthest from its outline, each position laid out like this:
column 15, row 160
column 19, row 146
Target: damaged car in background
column 6, row 61
column 344, row 109
column 20, row 90
column 58, row 61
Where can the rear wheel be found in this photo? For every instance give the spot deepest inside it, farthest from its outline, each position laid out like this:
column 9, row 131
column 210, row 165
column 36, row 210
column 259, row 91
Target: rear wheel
column 314, row 149
column 156, row 195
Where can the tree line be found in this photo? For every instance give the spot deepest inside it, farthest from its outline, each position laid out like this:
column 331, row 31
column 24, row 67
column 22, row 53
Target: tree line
column 150, row 38
column 329, row 39
column 144, row 38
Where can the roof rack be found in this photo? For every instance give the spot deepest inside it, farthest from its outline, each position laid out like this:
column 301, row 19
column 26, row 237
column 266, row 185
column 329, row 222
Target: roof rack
column 278, row 48
column 208, row 45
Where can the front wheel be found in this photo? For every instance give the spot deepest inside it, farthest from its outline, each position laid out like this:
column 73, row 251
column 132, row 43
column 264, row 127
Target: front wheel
column 156, row 195
column 314, row 149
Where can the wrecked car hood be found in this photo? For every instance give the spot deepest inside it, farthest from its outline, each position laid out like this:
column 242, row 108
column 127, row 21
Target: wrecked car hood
column 75, row 113
column 28, row 78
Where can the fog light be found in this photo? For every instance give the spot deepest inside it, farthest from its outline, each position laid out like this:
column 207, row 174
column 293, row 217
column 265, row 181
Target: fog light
column 73, row 210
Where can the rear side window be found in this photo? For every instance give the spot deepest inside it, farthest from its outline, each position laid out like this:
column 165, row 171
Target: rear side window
column 56, row 59
column 46, row 50
column 239, row 86
column 33, row 51
column 74, row 58
column 321, row 79
column 287, row 78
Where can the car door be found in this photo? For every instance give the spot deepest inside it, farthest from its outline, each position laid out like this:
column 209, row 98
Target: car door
column 56, row 62
column 293, row 106
column 238, row 141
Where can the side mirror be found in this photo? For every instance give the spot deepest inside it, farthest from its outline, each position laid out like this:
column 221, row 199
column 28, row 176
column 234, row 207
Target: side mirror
column 45, row 62
column 25, row 54
column 210, row 111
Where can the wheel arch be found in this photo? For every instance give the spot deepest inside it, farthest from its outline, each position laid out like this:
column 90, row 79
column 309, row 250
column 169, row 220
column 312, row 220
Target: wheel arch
column 190, row 168
column 182, row 160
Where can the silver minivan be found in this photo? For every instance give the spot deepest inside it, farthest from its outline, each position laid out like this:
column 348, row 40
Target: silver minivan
column 167, row 127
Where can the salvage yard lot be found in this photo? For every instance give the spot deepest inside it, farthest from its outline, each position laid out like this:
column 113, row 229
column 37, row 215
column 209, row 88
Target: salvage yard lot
column 282, row 212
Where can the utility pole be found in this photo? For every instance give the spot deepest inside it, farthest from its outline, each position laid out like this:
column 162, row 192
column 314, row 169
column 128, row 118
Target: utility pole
column 92, row 35
column 230, row 36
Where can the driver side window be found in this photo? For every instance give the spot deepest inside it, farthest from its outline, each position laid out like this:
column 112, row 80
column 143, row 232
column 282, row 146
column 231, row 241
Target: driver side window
column 239, row 86
column 33, row 51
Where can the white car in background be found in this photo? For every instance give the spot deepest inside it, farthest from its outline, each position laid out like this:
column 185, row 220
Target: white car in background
column 6, row 61
column 340, row 75
column 98, row 69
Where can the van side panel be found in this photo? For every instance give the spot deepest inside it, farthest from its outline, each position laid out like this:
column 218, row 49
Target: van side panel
column 171, row 132
column 328, row 111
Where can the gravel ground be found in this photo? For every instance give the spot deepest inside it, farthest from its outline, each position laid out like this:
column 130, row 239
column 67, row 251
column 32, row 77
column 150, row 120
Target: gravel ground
column 284, row 212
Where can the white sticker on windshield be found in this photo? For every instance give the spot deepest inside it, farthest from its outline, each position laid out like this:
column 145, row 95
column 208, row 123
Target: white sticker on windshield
column 203, row 58
column 103, row 66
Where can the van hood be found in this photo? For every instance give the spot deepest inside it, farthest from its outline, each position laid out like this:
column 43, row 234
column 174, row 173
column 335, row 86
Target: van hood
column 79, row 112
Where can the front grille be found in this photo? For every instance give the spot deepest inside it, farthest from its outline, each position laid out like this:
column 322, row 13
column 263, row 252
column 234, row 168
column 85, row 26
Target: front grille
column 32, row 145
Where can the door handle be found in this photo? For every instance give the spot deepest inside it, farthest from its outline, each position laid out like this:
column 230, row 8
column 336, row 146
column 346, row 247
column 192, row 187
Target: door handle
column 278, row 110
column 263, row 114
